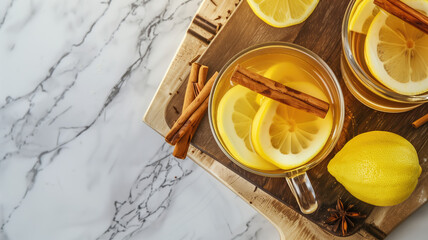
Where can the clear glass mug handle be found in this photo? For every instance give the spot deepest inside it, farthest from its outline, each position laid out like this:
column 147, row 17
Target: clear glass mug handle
column 302, row 190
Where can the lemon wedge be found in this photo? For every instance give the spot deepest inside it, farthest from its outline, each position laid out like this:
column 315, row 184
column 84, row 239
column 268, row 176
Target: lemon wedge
column 397, row 53
column 289, row 137
column 362, row 16
column 235, row 114
column 283, row 13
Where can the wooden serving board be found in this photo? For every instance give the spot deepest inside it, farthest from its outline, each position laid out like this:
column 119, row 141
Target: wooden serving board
column 321, row 34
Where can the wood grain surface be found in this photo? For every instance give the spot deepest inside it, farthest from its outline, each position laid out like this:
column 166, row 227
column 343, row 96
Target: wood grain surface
column 321, row 34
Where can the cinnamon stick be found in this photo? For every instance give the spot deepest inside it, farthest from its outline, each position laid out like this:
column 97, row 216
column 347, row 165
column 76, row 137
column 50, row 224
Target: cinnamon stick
column 191, row 123
column 405, row 12
column 203, row 71
column 191, row 114
column 279, row 92
column 194, row 59
column 182, row 146
column 196, row 89
column 180, row 150
column 421, row 121
column 193, row 78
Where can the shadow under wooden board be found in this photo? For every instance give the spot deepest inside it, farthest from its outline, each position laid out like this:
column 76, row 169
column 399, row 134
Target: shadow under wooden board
column 321, row 34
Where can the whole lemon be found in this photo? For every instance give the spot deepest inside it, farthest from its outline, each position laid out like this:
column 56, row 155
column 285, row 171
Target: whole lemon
column 380, row 168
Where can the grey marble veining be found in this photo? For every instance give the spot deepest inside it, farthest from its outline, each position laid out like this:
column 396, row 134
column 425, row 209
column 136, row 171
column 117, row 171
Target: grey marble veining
column 76, row 162
column 149, row 195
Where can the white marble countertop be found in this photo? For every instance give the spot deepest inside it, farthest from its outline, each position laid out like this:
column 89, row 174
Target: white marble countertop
column 76, row 162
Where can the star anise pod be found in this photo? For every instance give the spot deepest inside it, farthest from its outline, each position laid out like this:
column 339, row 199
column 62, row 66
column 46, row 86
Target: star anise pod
column 342, row 217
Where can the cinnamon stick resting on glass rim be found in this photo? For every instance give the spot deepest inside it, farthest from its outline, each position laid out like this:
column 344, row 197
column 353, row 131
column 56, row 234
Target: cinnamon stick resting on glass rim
column 405, row 12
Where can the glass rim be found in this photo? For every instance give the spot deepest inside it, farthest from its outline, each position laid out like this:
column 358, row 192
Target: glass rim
column 362, row 75
column 336, row 131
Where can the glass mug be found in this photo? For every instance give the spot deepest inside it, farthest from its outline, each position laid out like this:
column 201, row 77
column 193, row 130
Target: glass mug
column 296, row 177
column 361, row 83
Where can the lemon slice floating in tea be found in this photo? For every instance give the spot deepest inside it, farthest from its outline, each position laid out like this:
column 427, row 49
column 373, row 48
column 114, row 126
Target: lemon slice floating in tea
column 362, row 15
column 289, row 137
column 236, row 111
column 397, row 53
column 283, row 13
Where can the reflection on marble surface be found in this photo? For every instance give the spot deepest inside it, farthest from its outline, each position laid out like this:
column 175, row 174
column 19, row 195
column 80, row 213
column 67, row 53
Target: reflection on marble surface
column 76, row 162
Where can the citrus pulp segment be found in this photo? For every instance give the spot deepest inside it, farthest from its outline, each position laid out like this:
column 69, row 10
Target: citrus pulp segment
column 236, row 111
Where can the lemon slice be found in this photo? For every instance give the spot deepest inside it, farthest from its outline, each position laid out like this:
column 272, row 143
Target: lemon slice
column 362, row 16
column 283, row 13
column 236, row 111
column 289, row 137
column 397, row 53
